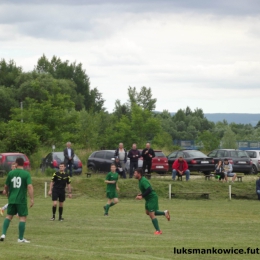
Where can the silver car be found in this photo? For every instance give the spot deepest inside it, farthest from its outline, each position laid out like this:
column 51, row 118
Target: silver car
column 255, row 157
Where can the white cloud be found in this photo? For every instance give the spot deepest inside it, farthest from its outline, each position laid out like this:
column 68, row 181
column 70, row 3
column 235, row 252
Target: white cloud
column 190, row 58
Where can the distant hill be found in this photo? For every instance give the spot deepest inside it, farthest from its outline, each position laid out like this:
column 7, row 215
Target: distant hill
column 233, row 118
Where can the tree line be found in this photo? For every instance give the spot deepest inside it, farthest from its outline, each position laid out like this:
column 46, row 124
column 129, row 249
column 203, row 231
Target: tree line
column 55, row 103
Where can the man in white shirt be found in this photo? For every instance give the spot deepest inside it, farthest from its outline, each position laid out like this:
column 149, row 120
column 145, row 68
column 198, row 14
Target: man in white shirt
column 68, row 157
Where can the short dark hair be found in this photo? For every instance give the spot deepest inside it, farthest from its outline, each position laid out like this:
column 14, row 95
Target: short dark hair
column 19, row 161
column 112, row 164
column 140, row 171
column 62, row 163
column 225, row 159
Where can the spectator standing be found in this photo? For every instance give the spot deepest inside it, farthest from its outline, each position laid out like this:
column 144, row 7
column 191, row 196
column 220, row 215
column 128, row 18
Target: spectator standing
column 180, row 167
column 68, row 157
column 134, row 155
column 147, row 154
column 121, row 153
column 119, row 168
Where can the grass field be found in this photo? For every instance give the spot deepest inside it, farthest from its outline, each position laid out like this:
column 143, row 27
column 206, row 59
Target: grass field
column 128, row 233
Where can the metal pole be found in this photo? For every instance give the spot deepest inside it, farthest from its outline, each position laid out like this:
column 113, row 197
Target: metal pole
column 170, row 191
column 45, row 189
column 229, row 192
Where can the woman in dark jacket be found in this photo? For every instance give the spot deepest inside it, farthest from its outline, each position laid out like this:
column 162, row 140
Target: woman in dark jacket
column 219, row 170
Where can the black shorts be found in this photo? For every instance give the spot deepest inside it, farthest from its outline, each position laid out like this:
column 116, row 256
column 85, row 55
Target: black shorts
column 58, row 194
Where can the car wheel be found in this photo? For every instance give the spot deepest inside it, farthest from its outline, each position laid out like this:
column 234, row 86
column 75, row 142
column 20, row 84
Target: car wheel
column 91, row 168
column 254, row 170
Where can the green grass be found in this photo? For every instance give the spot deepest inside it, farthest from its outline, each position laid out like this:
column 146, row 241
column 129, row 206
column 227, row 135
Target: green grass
column 128, row 233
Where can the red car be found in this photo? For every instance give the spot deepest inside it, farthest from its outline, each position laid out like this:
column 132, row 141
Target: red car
column 6, row 159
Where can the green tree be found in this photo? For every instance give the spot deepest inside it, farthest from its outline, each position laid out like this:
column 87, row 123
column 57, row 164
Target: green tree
column 72, row 71
column 143, row 98
column 209, row 140
column 8, row 73
column 229, row 139
column 7, row 101
column 19, row 137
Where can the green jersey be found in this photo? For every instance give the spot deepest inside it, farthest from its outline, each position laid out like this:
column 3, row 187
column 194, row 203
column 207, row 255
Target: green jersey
column 17, row 182
column 111, row 176
column 144, row 184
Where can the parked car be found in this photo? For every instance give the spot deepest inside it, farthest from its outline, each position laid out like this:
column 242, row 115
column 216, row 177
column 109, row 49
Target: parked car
column 159, row 162
column 255, row 157
column 197, row 161
column 6, row 159
column 53, row 160
column 239, row 159
column 100, row 160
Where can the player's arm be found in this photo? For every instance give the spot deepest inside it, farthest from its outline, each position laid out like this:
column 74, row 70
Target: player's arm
column 117, row 186
column 30, row 191
column 69, row 190
column 6, row 191
column 106, row 181
column 145, row 193
column 50, row 190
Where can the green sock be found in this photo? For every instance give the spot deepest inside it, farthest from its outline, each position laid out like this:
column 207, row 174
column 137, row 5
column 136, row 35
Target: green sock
column 156, row 224
column 21, row 229
column 6, row 225
column 111, row 204
column 159, row 213
column 107, row 208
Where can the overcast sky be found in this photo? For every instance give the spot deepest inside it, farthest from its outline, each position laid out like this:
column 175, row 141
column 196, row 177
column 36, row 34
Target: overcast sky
column 201, row 53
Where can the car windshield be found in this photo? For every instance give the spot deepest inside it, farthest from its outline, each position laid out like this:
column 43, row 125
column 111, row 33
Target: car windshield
column 12, row 158
column 60, row 156
column 195, row 154
column 238, row 154
column 159, row 154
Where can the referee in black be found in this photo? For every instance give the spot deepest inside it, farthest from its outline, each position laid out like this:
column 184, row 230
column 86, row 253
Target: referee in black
column 57, row 189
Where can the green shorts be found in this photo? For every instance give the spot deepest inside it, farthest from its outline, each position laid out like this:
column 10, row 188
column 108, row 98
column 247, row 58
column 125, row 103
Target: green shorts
column 21, row 209
column 112, row 194
column 152, row 204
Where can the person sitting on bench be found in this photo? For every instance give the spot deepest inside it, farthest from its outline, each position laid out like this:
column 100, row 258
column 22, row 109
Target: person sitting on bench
column 180, row 167
column 219, row 170
column 258, row 188
column 228, row 168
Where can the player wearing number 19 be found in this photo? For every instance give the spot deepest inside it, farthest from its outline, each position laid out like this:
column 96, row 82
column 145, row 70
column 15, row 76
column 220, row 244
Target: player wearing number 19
column 17, row 184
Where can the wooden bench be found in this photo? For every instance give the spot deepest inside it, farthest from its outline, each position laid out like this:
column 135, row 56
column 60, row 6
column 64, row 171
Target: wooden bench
column 2, row 173
column 179, row 177
column 239, row 178
column 208, row 177
column 88, row 174
column 244, row 195
column 203, row 194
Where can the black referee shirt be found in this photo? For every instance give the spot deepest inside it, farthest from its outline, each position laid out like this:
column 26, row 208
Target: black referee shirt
column 60, row 180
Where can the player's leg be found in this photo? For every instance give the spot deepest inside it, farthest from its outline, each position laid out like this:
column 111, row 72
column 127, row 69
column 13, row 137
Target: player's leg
column 11, row 211
column 152, row 207
column 60, row 211
column 62, row 197
column 6, row 224
column 107, row 206
column 114, row 202
column 54, row 203
column 22, row 211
